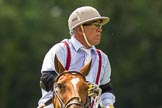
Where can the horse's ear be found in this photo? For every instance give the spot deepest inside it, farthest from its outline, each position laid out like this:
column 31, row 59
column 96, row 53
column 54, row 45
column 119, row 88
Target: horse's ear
column 58, row 66
column 85, row 70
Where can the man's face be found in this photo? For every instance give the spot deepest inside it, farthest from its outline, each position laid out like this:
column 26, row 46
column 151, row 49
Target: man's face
column 93, row 31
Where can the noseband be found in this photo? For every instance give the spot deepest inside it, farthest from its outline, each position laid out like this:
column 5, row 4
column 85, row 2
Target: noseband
column 73, row 100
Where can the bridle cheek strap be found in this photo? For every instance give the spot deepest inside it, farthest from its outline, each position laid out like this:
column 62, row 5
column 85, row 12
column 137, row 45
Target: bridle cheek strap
column 55, row 94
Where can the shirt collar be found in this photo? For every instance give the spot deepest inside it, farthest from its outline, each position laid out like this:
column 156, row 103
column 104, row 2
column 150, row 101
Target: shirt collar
column 77, row 45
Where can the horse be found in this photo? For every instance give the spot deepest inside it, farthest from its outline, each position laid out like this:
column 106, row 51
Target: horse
column 70, row 89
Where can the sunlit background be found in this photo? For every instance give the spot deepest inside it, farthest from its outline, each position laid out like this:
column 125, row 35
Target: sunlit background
column 132, row 40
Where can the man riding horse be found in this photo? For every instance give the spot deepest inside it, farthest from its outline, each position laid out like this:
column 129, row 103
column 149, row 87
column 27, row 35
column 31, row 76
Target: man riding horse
column 85, row 26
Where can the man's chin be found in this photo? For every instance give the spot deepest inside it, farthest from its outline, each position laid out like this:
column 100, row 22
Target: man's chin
column 98, row 42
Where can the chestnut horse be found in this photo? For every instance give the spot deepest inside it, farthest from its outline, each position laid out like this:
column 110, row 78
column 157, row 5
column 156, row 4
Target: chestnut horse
column 70, row 88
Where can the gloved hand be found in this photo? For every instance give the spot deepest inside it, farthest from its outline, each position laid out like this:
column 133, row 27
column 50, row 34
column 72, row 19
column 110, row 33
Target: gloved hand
column 47, row 81
column 108, row 106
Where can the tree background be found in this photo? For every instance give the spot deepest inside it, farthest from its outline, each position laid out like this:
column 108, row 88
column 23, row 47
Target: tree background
column 132, row 39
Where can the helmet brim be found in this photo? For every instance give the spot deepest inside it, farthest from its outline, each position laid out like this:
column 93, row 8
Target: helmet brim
column 104, row 20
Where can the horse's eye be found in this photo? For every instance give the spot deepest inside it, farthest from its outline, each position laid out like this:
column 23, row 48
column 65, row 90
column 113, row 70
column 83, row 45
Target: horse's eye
column 60, row 85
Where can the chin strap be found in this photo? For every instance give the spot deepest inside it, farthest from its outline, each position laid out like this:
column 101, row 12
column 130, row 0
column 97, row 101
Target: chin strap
column 85, row 38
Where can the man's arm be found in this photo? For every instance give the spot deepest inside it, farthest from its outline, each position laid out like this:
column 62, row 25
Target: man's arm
column 107, row 96
column 47, row 80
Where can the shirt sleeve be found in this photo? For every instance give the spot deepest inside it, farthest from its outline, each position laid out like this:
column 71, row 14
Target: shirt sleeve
column 48, row 62
column 106, row 70
column 48, row 65
column 106, row 98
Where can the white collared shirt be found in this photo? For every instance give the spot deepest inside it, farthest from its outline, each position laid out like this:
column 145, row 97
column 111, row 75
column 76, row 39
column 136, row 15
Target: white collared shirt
column 77, row 62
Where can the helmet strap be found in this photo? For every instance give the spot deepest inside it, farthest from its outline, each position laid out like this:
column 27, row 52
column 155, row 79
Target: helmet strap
column 84, row 35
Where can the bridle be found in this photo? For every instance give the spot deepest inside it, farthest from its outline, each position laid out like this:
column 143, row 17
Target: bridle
column 73, row 100
column 93, row 91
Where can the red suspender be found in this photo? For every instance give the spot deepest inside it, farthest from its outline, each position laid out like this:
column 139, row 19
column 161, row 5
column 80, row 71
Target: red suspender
column 99, row 71
column 68, row 59
column 99, row 66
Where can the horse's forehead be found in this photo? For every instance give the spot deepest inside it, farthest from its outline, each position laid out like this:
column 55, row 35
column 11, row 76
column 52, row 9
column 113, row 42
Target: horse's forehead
column 75, row 81
column 70, row 78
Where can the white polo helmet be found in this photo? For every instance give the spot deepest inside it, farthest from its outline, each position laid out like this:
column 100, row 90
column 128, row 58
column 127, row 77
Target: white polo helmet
column 85, row 14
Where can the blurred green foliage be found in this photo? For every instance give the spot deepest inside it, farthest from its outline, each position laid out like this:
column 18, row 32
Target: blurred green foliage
column 132, row 40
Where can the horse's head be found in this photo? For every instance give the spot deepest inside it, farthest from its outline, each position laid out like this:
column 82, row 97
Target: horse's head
column 70, row 87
